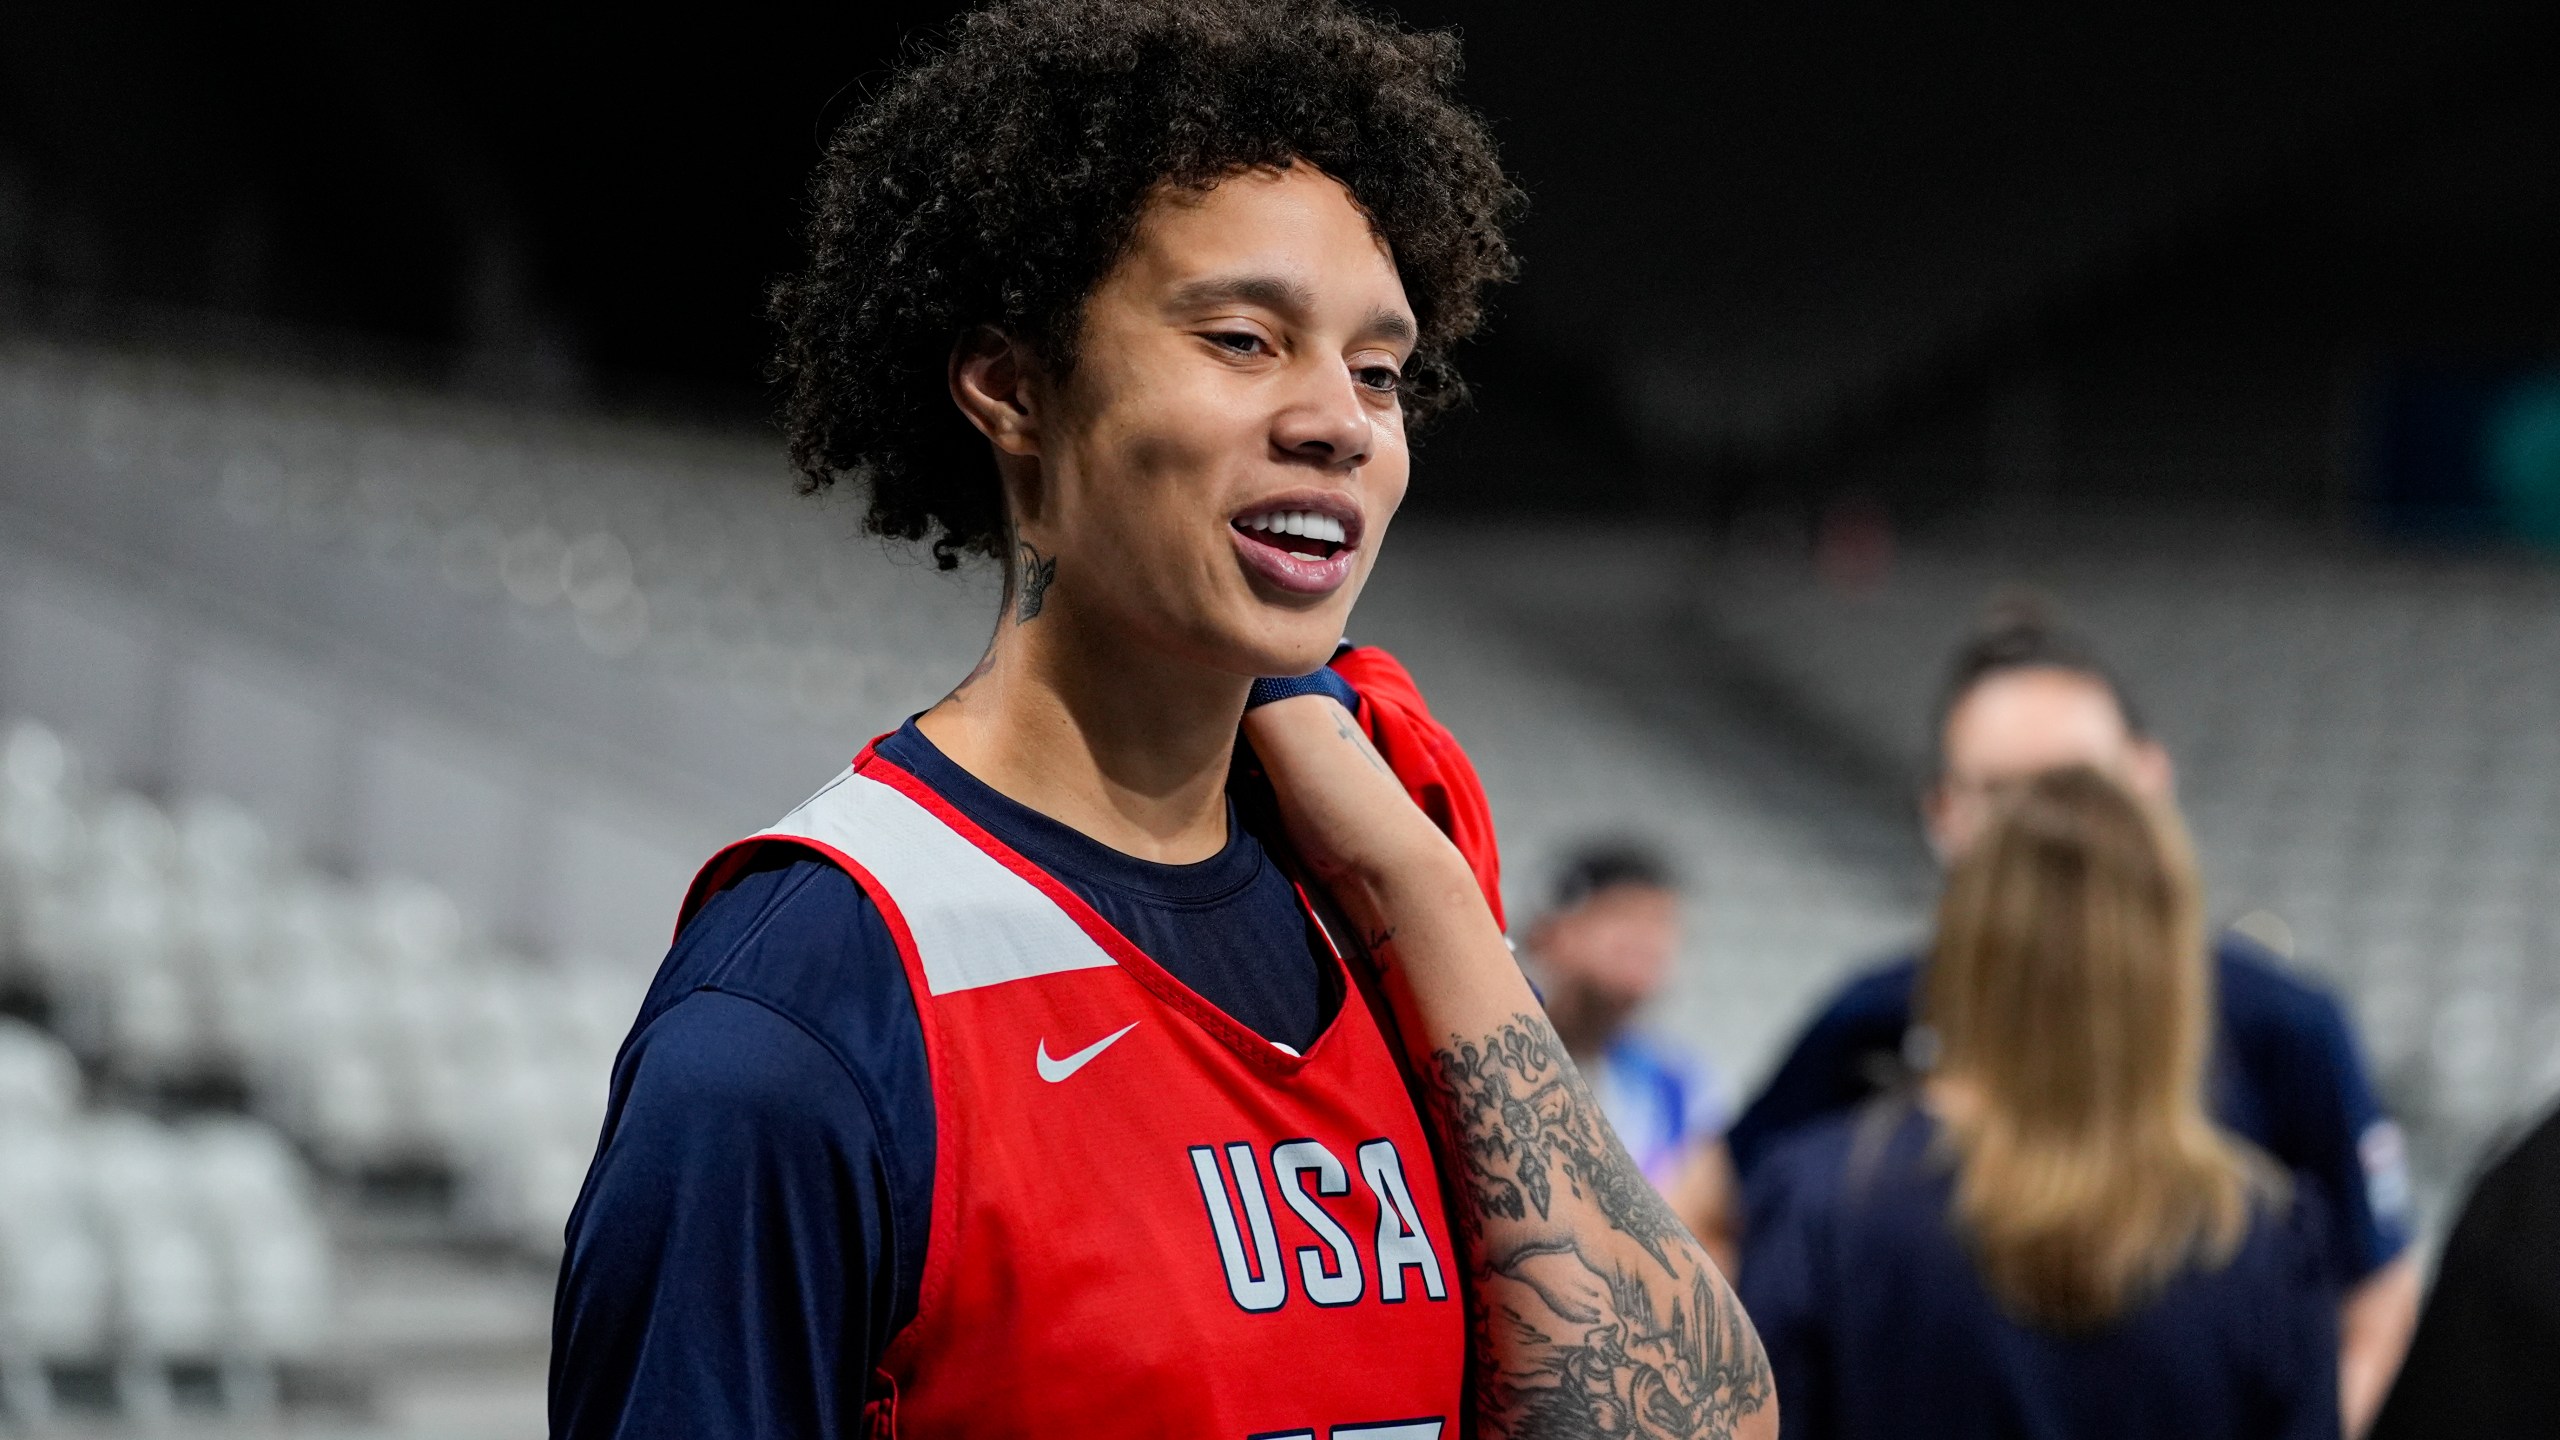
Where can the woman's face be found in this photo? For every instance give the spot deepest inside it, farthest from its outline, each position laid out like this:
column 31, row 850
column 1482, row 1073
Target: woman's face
column 1215, row 473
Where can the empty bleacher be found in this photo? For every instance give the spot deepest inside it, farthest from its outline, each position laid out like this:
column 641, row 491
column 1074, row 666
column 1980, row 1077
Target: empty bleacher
column 501, row 538
column 139, row 1252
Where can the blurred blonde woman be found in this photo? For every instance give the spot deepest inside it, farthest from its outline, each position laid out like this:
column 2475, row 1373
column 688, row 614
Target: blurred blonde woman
column 2051, row 1238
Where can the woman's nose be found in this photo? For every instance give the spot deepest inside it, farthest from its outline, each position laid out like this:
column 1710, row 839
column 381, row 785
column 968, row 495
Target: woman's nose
column 1326, row 423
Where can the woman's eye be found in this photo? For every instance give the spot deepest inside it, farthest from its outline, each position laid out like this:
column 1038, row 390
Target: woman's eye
column 1381, row 378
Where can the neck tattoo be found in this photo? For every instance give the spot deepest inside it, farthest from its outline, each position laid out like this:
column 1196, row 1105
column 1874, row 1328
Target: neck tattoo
column 1036, row 573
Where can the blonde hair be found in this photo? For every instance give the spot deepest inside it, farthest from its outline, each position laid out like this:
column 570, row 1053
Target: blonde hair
column 2069, row 991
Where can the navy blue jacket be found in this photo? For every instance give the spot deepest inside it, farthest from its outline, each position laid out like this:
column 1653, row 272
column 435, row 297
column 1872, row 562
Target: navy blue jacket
column 2287, row 1076
column 1878, row 1325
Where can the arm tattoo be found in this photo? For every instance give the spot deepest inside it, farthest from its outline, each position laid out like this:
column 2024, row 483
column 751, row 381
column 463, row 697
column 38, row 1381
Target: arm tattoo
column 1605, row 1320
column 1037, row 571
column 1351, row 733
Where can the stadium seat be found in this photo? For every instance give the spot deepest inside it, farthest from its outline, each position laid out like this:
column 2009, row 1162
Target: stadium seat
column 39, row 1080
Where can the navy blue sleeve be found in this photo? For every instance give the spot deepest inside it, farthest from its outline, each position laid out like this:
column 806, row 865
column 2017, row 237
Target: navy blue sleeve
column 1828, row 1071
column 2323, row 1120
column 726, row 1261
column 752, row 1230
column 1323, row 681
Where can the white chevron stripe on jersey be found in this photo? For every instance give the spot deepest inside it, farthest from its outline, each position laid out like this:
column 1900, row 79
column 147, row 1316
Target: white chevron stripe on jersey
column 974, row 921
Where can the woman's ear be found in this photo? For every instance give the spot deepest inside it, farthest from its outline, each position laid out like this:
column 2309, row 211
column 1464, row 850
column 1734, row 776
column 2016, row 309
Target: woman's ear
column 2150, row 771
column 990, row 378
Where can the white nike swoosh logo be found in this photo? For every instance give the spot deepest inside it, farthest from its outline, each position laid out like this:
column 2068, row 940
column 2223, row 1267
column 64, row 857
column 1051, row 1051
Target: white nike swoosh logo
column 1054, row 1071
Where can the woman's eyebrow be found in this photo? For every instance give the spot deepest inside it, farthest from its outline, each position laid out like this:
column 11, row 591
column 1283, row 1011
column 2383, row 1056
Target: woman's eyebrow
column 1276, row 292
column 1389, row 325
column 1271, row 292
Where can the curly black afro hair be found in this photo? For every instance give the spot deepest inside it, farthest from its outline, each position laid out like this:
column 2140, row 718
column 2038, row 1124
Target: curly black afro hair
column 996, row 179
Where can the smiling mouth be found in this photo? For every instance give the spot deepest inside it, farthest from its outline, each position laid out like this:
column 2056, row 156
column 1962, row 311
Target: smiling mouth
column 1301, row 534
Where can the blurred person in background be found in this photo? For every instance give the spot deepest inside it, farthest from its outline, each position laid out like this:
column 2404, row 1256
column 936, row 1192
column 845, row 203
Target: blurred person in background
column 1022, row 1081
column 2486, row 1361
column 2051, row 1239
column 1600, row 953
column 2022, row 698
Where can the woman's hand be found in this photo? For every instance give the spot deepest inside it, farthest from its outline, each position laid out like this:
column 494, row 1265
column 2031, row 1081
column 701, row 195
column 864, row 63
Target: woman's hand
column 1346, row 812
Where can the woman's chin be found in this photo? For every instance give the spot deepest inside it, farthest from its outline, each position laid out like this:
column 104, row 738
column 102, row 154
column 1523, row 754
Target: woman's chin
column 1241, row 634
column 1293, row 639
column 1302, row 650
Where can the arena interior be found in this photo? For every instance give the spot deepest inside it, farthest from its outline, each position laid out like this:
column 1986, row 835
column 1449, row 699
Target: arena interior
column 375, row 670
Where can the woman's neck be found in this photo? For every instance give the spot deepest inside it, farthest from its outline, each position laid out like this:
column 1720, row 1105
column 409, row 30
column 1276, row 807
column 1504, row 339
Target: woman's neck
column 1951, row 1097
column 1130, row 748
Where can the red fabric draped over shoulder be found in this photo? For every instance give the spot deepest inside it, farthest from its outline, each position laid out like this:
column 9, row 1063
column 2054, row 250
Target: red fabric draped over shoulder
column 1426, row 757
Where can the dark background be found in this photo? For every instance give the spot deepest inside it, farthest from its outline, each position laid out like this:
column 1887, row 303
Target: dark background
column 1785, row 264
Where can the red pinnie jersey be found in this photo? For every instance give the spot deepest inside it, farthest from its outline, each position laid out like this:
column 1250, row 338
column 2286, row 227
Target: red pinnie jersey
column 1147, row 1219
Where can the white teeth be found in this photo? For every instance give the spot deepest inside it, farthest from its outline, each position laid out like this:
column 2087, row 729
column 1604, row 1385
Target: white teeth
column 1308, row 523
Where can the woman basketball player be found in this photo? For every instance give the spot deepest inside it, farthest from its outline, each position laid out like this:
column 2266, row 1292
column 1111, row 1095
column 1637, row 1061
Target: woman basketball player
column 1011, row 1085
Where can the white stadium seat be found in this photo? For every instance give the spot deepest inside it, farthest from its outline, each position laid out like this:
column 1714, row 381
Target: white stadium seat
column 39, row 1079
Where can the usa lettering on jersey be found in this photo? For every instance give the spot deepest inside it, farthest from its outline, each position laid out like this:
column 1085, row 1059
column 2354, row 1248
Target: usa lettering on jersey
column 1331, row 1272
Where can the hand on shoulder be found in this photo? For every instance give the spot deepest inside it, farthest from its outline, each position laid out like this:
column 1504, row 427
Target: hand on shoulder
column 1345, row 810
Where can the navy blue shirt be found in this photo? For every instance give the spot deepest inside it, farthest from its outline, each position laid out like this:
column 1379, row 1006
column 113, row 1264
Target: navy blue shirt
column 2287, row 1076
column 753, row 1228
column 1878, row 1325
